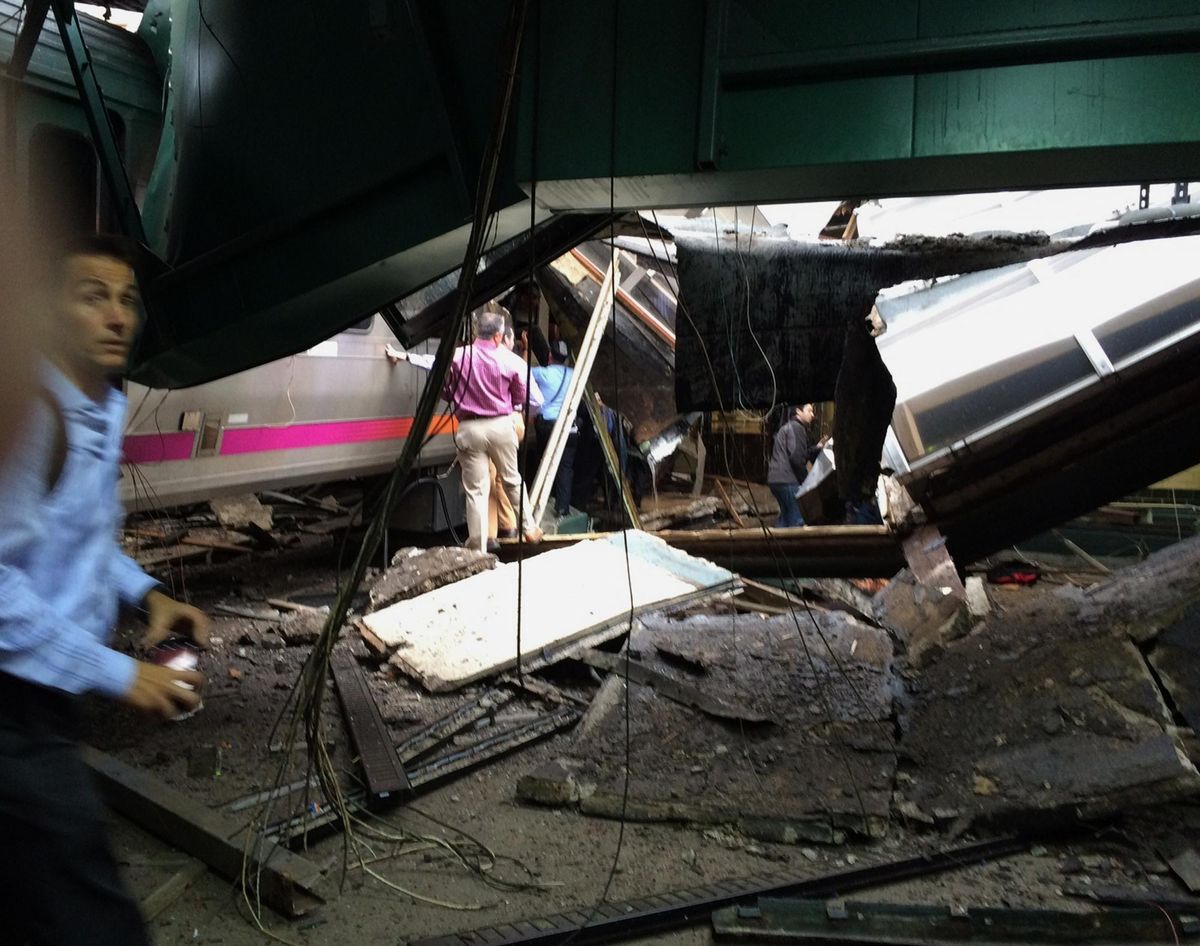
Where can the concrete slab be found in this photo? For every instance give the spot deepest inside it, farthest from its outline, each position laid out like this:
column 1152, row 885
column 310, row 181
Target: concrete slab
column 823, row 768
column 1050, row 709
column 579, row 595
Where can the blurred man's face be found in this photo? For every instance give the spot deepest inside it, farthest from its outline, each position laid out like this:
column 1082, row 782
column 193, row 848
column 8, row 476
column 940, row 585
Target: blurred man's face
column 98, row 315
column 806, row 414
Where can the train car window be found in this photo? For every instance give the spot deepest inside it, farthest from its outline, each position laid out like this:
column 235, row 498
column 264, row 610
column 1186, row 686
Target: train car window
column 362, row 327
column 64, row 180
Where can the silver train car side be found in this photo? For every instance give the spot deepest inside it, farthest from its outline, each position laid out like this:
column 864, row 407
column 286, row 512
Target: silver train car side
column 339, row 410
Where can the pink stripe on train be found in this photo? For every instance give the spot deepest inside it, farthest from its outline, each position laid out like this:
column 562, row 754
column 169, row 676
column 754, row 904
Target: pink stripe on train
column 157, row 448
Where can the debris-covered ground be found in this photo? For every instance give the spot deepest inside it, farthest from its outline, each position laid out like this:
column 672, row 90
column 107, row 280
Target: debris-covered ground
column 764, row 738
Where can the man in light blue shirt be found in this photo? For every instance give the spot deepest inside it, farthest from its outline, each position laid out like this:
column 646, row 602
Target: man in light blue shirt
column 62, row 576
column 554, row 380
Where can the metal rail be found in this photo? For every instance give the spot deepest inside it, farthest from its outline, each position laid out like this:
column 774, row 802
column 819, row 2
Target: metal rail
column 624, row 919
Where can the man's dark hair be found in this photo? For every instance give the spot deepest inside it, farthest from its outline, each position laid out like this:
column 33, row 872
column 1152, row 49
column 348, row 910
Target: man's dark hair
column 558, row 352
column 96, row 244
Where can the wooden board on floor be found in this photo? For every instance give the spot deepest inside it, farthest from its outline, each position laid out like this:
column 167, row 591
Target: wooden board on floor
column 287, row 882
column 463, row 632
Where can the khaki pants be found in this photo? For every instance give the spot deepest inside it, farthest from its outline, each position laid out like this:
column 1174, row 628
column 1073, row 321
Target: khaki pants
column 480, row 440
column 501, row 514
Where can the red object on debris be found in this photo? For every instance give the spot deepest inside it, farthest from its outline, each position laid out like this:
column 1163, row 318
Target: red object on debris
column 1013, row 573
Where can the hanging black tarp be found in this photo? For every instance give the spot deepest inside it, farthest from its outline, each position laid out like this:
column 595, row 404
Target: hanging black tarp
column 770, row 315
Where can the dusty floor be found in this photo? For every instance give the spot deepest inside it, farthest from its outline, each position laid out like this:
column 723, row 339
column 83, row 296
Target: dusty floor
column 567, row 855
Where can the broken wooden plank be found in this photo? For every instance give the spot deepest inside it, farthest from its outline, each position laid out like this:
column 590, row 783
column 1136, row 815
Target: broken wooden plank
column 380, row 763
column 162, row 897
column 288, row 883
column 282, row 604
column 211, row 542
column 377, row 647
column 1083, row 555
column 729, row 507
column 169, row 534
column 170, row 553
column 237, row 611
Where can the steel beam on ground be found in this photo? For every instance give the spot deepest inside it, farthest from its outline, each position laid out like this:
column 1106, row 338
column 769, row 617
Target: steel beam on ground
column 381, row 766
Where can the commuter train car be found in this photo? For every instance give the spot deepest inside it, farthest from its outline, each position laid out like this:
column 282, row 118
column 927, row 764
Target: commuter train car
column 338, row 410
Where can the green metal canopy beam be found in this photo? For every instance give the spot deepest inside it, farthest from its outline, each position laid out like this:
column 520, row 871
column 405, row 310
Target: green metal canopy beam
column 31, row 29
column 766, row 100
column 90, row 96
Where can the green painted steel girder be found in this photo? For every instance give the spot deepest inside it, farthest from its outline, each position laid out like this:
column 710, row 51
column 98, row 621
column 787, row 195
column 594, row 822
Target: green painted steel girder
column 703, row 102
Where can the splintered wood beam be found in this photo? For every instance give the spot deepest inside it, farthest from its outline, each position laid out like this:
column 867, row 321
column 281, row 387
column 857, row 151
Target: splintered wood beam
column 287, row 882
column 543, row 483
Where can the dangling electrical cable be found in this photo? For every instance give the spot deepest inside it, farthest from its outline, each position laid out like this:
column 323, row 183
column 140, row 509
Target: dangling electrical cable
column 308, row 700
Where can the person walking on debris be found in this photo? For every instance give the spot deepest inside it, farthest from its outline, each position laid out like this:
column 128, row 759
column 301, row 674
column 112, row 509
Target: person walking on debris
column 790, row 457
column 502, row 519
column 554, row 379
column 486, row 386
column 62, row 575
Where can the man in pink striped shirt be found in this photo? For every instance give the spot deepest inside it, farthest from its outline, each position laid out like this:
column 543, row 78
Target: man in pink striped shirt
column 484, row 386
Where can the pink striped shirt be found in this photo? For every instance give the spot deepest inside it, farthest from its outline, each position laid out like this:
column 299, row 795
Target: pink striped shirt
column 485, row 380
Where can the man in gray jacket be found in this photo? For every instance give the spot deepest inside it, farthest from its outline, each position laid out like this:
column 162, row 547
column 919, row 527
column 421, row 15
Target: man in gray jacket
column 789, row 463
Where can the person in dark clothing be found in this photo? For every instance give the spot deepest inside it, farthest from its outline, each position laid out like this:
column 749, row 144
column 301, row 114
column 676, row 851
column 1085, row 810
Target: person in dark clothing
column 789, row 463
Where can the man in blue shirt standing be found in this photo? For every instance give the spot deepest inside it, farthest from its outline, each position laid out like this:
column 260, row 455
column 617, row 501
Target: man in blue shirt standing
column 62, row 576
column 553, row 380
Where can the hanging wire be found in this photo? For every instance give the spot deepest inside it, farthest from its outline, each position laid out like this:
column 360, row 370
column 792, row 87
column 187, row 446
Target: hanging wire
column 782, row 567
column 306, row 700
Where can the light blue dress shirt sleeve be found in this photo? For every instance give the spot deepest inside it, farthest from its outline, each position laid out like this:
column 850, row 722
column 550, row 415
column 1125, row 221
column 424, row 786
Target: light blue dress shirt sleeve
column 131, row 583
column 37, row 643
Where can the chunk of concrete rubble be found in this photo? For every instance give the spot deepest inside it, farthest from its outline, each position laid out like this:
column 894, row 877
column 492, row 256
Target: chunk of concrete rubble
column 1051, row 709
column 302, row 626
column 978, row 605
column 415, row 571
column 552, row 784
column 824, row 770
column 1175, row 657
column 924, row 618
column 238, row 512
